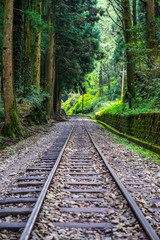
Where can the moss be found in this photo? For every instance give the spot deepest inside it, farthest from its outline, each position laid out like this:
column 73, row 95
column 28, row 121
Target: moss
column 151, row 147
column 145, row 126
column 14, row 128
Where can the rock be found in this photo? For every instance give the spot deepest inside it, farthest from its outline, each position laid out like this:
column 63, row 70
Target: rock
column 12, row 174
column 62, row 231
column 158, row 174
column 52, row 237
column 109, row 230
column 4, row 236
column 111, row 212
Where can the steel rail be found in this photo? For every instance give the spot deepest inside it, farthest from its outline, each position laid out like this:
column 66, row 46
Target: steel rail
column 33, row 217
column 136, row 210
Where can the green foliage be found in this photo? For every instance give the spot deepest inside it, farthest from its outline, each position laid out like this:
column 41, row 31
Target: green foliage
column 145, row 153
column 1, row 113
column 7, row 148
column 38, row 24
column 140, row 107
column 114, row 108
column 77, row 42
column 92, row 103
column 37, row 98
column 38, row 105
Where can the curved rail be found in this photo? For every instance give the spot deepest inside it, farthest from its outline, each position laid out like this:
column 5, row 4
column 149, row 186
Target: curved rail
column 136, row 210
column 32, row 219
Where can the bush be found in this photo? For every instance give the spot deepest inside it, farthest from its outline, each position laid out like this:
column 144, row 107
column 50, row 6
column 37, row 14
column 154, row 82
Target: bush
column 37, row 104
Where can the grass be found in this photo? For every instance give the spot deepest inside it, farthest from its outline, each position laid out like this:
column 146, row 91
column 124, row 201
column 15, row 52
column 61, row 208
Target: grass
column 145, row 153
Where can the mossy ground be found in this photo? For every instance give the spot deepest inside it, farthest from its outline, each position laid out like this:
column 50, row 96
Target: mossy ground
column 14, row 128
column 31, row 119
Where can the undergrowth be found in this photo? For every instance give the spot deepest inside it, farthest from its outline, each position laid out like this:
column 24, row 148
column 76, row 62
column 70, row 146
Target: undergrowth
column 95, row 105
column 92, row 103
column 120, row 107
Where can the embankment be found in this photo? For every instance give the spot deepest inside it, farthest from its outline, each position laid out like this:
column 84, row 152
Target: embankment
column 142, row 129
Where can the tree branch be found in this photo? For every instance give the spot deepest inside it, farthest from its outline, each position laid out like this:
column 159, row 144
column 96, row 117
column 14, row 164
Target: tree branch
column 113, row 19
column 116, row 11
column 119, row 4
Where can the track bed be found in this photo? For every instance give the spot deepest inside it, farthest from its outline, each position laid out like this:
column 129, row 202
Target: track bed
column 80, row 201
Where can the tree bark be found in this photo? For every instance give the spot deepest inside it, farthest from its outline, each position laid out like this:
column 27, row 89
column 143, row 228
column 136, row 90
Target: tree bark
column 56, row 94
column 127, row 24
column 157, row 8
column 17, row 44
column 59, row 100
column 100, row 83
column 82, row 102
column 51, row 75
column 151, row 31
column 37, row 51
column 134, row 7
column 12, row 126
column 1, row 44
column 27, row 50
column 122, row 89
column 109, row 82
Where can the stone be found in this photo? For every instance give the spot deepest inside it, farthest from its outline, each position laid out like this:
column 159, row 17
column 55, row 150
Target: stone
column 52, row 237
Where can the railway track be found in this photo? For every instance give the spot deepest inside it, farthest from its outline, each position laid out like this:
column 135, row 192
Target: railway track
column 79, row 191
column 25, row 200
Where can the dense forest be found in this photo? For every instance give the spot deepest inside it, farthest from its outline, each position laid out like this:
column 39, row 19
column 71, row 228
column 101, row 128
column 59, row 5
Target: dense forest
column 83, row 54
column 127, row 79
column 46, row 47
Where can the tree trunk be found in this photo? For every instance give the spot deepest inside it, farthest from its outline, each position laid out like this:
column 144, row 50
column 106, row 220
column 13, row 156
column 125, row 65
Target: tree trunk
column 100, row 83
column 59, row 100
column 157, row 8
column 82, row 102
column 17, row 46
column 1, row 44
column 51, row 75
column 27, row 50
column 122, row 89
column 134, row 7
column 45, row 55
column 109, row 82
column 49, row 68
column 127, row 24
column 151, row 31
column 56, row 95
column 12, row 126
column 37, row 51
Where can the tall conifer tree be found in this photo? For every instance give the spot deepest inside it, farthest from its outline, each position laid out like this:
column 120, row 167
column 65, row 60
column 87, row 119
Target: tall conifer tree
column 12, row 127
